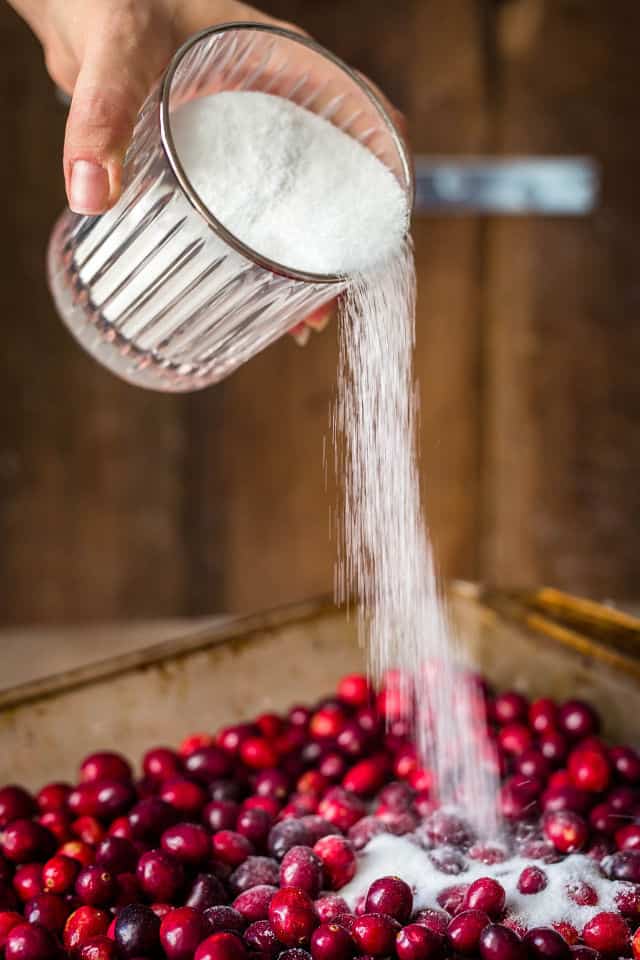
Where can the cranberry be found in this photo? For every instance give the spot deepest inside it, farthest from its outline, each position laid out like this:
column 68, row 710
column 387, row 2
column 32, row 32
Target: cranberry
column 417, row 942
column 635, row 945
column 221, row 815
column 603, row 819
column 230, row 847
column 435, row 920
column 487, row 895
column 582, row 894
column 292, row 916
column 607, row 932
column 181, row 931
column 252, row 824
column 150, row 817
column 207, row 764
column 627, row 901
column 272, row 783
column 221, row 918
column 58, row 822
column 500, row 943
column 577, row 719
column 332, row 766
column 532, row 763
column 230, row 738
column 194, row 741
column 99, row 948
column 544, row 943
column 366, row 777
column 543, row 715
column 515, row 738
column 341, row 808
column 510, row 707
column 347, row 920
column 330, row 907
column 83, row 924
column 626, row 763
column 566, row 798
column 355, row 690
column 161, row 763
column 567, row 831
column 258, row 753
column 159, row 876
column 589, row 769
column 365, row 830
column 104, row 799
column 338, row 859
column 584, row 953
column 25, row 840
column 299, row 715
column 15, row 804
column 327, row 722
column 375, row 934
column 27, row 880
column 624, row 865
column 105, row 766
column 137, row 931
column 451, row 898
column 487, row 853
column 184, row 795
column 628, row 838
column 29, row 941
column 330, row 941
column 532, row 880
column 623, row 799
column 287, row 834
column 260, row 936
column 464, row 931
column 88, row 829
column 318, row 827
column 301, row 868
column 79, row 851
column 221, row 946
column 553, row 747
column 254, row 904
column 8, row 920
column 206, row 891
column 127, row 890
column 49, row 910
column 255, row 871
column 391, row 896
column 519, row 797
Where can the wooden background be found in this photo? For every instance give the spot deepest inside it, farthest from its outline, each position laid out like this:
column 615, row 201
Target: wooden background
column 118, row 503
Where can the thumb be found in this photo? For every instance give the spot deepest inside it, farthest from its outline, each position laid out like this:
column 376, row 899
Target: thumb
column 113, row 82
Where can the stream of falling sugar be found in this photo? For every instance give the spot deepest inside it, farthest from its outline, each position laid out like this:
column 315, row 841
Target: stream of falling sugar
column 385, row 556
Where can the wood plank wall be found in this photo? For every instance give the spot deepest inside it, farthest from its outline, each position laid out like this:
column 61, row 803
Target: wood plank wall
column 120, row 503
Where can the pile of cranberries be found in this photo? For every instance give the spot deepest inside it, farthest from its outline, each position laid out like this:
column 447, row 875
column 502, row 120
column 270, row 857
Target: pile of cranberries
column 237, row 845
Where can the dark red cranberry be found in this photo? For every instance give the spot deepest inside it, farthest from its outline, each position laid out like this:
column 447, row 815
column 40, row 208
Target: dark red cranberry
column 544, row 943
column 207, row 764
column 150, row 818
column 301, row 868
column 88, row 829
column 436, row 920
column 116, row 855
column 532, row 764
column 446, row 828
column 95, row 886
column 206, row 891
column 375, row 934
column 137, row 931
column 510, row 707
column 255, row 871
column 330, row 941
column 624, row 865
column 603, row 819
column 253, row 904
column 329, row 907
column 83, row 924
column 299, row 715
column 589, row 769
column 584, row 953
column 127, row 890
column 451, row 898
column 99, row 948
column 104, row 799
column 181, row 930
column 187, row 842
column 487, row 895
column 352, row 739
column 623, row 799
column 22, row 841
column 628, row 838
column 27, row 880
column 365, row 830
column 318, row 827
column 566, row 798
column 338, row 859
column 15, row 804
column 543, row 715
column 287, row 834
column 260, row 936
column 626, row 763
column 464, row 931
column 553, row 747
column 161, row 763
column 233, row 790
column 187, row 797
column 252, row 824
column 221, row 918
column 577, row 719
column 160, row 877
column 346, row 920
column 391, row 896
column 221, row 815
column 58, row 822
column 221, row 946
column 532, row 880
column 49, row 910
column 370, row 721
column 258, row 753
column 8, row 920
column 272, row 783
column 29, row 941
column 105, row 766
column 500, row 943
column 292, row 915
column 567, row 831
column 231, row 738
column 53, row 796
column 417, row 942
column 607, row 932
column 230, row 847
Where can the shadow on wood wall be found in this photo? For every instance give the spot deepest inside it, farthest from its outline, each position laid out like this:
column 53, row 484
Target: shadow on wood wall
column 119, row 503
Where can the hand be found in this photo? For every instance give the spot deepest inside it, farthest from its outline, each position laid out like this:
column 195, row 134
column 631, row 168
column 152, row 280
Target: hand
column 107, row 54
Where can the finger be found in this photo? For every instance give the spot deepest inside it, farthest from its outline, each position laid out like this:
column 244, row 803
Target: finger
column 119, row 66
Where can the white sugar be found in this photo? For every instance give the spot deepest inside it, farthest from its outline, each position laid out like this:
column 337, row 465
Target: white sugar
column 289, row 183
column 387, row 855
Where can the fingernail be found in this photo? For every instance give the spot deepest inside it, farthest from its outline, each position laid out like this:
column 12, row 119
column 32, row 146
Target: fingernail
column 89, row 188
column 319, row 320
column 301, row 337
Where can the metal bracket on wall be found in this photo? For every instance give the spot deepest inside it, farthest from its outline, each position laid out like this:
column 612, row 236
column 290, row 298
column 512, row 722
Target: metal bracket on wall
column 552, row 186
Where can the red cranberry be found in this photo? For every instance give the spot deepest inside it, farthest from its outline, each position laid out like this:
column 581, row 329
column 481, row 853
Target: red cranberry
column 230, row 847
column 83, row 924
column 79, row 851
column 206, row 891
column 543, row 715
column 624, row 865
column 375, row 934
column 487, row 895
column 353, row 740
column 603, row 819
column 221, row 918
column 181, row 931
column 582, row 894
column 161, row 763
column 627, row 901
column 230, row 738
column 137, row 931
column 159, row 876
column 354, row 690
column 292, row 916
column 544, row 943
column 515, row 738
column 187, row 842
column 253, row 904
column 332, row 766
column 519, row 797
column 623, row 799
column 195, row 741
column 184, row 795
column 301, row 868
column 88, row 829
column 566, row 798
column 221, row 946
column 417, row 942
column 15, row 804
column 442, row 827
column 207, row 764
column 341, row 808
column 553, row 747
column 252, row 824
column 330, row 941
column 27, row 880
column 150, row 817
column 329, row 907
column 116, row 855
column 635, row 946
column 510, row 707
column 8, row 920
column 589, row 769
column 29, row 941
column 626, row 763
column 105, row 766
column 58, row 822
column 48, row 910
column 104, row 799
column 532, row 764
column 53, row 796
column 628, row 838
column 299, row 715
column 95, row 886
column 391, row 896
column 347, row 920
column 260, row 937
column 318, row 827
column 255, row 871
column 258, row 753
column 607, row 932
column 221, row 815
column 338, row 859
column 464, row 931
column 127, row 890
column 99, row 948
column 366, row 777
column 567, row 831
column 327, row 722
column 451, row 898
column 532, row 880
column 25, row 840
column 577, row 719
column 435, row 920
column 272, row 783
column 500, row 943
column 365, row 830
